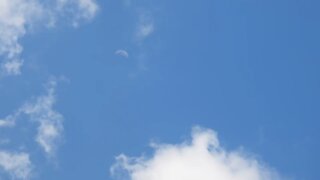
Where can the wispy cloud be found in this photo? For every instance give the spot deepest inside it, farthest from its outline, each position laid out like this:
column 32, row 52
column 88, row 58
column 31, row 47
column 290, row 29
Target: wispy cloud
column 9, row 121
column 143, row 29
column 41, row 111
column 18, row 16
column 50, row 121
column 145, row 25
column 202, row 158
column 18, row 165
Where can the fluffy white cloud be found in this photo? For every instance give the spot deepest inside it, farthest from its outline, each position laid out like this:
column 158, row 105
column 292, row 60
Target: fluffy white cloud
column 41, row 111
column 201, row 159
column 18, row 16
column 18, row 165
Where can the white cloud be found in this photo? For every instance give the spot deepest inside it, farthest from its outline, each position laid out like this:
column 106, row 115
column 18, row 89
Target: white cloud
column 122, row 53
column 41, row 111
column 50, row 121
column 13, row 66
column 15, row 15
column 18, row 165
column 18, row 16
column 88, row 8
column 7, row 122
column 201, row 159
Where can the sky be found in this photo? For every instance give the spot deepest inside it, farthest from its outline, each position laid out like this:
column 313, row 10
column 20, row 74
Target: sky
column 159, row 90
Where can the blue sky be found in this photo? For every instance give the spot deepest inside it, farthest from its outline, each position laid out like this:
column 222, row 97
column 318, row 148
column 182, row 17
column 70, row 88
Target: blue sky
column 82, row 84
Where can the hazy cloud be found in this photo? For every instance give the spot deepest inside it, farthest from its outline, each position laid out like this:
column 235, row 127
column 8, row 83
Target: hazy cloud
column 50, row 121
column 18, row 165
column 41, row 111
column 201, row 159
column 145, row 26
column 6, row 122
column 17, row 17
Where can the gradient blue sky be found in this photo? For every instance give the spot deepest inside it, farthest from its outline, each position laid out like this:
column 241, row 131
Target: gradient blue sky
column 247, row 69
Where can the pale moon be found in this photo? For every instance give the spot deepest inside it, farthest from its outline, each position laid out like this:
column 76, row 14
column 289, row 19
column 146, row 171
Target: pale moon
column 122, row 53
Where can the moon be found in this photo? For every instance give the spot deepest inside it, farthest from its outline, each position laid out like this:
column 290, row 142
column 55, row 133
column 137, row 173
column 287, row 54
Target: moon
column 122, row 53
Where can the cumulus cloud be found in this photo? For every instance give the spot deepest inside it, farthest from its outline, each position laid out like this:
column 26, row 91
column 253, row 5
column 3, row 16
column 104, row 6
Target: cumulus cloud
column 41, row 111
column 201, row 159
column 18, row 165
column 18, row 16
